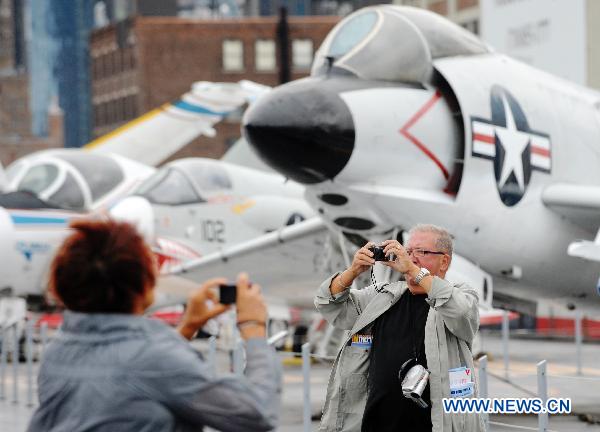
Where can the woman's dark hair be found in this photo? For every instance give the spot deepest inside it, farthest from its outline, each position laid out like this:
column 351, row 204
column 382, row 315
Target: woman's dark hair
column 102, row 267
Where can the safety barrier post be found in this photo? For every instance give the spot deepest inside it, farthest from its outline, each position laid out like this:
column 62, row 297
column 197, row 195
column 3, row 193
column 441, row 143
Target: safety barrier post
column 483, row 387
column 3, row 348
column 542, row 385
column 15, row 363
column 505, row 331
column 306, row 414
column 578, row 340
column 29, row 358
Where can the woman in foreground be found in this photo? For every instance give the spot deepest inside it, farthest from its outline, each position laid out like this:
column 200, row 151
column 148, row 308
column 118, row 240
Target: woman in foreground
column 112, row 369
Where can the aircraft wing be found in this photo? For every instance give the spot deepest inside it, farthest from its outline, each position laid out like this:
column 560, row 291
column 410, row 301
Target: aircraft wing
column 289, row 263
column 156, row 135
column 580, row 204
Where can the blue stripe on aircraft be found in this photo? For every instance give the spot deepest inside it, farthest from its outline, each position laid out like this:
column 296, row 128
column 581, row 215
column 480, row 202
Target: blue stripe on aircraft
column 38, row 220
column 186, row 106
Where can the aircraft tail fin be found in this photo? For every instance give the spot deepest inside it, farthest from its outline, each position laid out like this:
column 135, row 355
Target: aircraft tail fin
column 156, row 135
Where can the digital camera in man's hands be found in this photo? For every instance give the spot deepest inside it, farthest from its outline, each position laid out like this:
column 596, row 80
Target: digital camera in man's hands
column 378, row 253
column 227, row 294
column 414, row 381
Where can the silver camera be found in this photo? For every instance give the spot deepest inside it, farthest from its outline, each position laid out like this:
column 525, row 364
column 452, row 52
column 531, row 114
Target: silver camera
column 414, row 384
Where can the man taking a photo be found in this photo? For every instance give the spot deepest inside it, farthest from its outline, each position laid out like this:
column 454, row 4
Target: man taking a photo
column 423, row 322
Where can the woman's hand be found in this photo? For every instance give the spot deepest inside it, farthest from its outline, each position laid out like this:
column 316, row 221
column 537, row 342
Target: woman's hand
column 251, row 309
column 202, row 305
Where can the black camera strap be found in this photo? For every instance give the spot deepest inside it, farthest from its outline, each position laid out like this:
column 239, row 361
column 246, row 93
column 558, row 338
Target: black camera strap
column 374, row 282
column 412, row 326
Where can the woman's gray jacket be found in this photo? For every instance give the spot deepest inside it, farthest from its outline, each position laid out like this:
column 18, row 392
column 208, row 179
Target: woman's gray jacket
column 116, row 372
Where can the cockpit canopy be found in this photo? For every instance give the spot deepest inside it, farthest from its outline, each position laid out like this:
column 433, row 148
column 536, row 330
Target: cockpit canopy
column 409, row 38
column 69, row 180
column 185, row 181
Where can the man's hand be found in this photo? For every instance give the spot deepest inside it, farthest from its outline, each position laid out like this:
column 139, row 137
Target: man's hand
column 402, row 262
column 251, row 309
column 199, row 310
column 362, row 261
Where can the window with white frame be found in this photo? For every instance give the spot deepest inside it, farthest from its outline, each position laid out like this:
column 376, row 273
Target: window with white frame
column 233, row 55
column 302, row 53
column 472, row 26
column 264, row 55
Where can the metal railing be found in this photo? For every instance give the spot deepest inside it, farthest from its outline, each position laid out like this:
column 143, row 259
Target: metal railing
column 16, row 346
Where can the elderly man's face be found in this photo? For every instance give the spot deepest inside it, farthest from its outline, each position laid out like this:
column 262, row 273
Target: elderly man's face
column 424, row 243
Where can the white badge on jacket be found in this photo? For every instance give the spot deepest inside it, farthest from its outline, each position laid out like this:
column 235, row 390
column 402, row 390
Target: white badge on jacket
column 461, row 382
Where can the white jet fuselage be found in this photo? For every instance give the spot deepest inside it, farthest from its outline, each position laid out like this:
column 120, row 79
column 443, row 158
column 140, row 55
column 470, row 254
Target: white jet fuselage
column 474, row 141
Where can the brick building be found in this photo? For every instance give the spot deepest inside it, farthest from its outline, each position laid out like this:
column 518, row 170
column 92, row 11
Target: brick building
column 463, row 12
column 16, row 138
column 142, row 63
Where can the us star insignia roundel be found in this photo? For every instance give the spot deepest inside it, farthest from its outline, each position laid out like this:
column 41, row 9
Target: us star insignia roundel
column 508, row 141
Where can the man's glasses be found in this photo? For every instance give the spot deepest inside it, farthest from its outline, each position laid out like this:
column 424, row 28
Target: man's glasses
column 420, row 253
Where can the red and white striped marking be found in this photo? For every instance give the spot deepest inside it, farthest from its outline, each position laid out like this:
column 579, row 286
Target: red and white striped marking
column 484, row 144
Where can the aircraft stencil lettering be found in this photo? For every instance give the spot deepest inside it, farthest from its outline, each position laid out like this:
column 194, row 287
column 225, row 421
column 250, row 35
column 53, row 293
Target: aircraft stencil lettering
column 213, row 231
column 28, row 249
column 509, row 142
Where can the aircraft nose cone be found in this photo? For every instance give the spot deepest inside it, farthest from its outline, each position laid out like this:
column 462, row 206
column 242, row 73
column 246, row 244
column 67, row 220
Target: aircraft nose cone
column 302, row 130
column 137, row 211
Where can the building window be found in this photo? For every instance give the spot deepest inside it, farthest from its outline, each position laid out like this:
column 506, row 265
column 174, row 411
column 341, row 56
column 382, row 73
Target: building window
column 107, row 65
column 233, row 55
column 439, row 7
column 119, row 110
column 264, row 55
column 302, row 53
column 102, row 114
column 95, row 74
column 96, row 116
column 128, row 107
column 128, row 58
column 117, row 61
column 99, row 115
column 125, row 60
column 135, row 106
column 110, row 112
column 472, row 26
column 464, row 4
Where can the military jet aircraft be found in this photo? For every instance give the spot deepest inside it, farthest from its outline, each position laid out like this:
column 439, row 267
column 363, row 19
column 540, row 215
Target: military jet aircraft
column 47, row 189
column 194, row 206
column 409, row 118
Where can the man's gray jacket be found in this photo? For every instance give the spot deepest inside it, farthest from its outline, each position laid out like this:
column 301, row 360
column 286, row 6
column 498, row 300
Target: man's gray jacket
column 452, row 322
